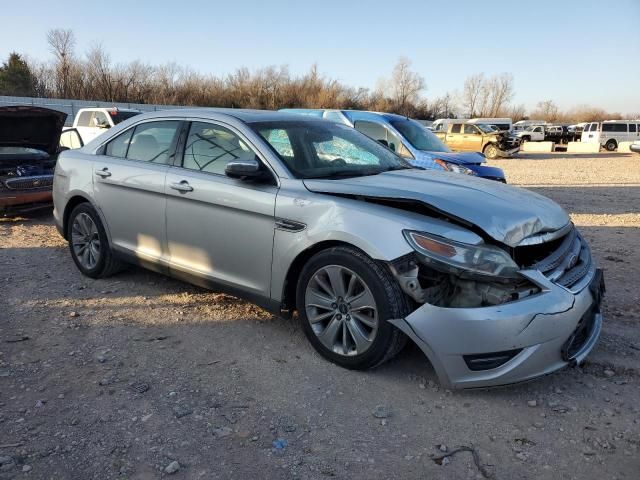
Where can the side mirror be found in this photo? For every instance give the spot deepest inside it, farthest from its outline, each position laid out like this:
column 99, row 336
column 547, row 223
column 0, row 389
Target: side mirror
column 243, row 169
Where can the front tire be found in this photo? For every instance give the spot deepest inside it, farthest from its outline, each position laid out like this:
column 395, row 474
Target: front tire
column 88, row 243
column 491, row 151
column 344, row 300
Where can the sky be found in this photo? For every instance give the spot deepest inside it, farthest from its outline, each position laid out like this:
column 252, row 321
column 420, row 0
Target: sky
column 574, row 53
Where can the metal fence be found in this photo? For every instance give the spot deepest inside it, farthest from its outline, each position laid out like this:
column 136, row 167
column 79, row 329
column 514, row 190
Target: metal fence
column 70, row 107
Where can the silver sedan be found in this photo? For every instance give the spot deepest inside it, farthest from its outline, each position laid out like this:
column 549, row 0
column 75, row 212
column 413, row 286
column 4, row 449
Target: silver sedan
column 305, row 216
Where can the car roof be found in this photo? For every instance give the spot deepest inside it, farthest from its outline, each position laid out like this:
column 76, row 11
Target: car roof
column 109, row 108
column 244, row 115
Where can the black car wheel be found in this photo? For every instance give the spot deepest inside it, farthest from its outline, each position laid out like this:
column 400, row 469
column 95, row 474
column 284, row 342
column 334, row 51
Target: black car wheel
column 89, row 244
column 344, row 300
column 611, row 145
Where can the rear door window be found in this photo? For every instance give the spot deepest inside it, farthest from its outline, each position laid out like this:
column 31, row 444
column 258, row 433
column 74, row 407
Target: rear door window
column 372, row 130
column 456, row 128
column 119, row 145
column 152, row 141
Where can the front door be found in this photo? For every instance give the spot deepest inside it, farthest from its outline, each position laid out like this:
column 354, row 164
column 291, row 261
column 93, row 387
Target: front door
column 129, row 182
column 219, row 228
column 471, row 139
column 454, row 137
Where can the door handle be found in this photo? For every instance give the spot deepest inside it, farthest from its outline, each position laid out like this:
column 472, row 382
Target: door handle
column 104, row 173
column 183, row 186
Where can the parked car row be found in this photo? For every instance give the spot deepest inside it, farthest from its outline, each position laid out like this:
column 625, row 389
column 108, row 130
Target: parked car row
column 409, row 139
column 298, row 214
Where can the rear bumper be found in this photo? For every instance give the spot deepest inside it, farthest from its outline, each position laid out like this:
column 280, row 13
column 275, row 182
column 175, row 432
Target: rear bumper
column 537, row 328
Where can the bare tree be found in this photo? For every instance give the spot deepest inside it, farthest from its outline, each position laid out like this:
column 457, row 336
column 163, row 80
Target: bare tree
column 500, row 93
column 62, row 43
column 517, row 112
column 472, row 92
column 546, row 110
column 405, row 85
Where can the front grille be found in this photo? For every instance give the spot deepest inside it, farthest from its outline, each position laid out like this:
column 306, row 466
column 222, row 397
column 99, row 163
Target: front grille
column 568, row 262
column 29, row 183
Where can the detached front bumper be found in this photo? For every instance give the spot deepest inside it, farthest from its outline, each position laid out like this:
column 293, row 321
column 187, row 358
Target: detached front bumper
column 508, row 151
column 535, row 332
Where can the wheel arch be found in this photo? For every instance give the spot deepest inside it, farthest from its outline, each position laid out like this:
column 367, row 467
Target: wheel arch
column 72, row 203
column 293, row 273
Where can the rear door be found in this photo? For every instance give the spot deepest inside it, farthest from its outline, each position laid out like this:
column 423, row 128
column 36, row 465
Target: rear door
column 219, row 228
column 129, row 183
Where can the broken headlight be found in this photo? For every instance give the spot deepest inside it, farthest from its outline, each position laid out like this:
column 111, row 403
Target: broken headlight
column 453, row 167
column 460, row 258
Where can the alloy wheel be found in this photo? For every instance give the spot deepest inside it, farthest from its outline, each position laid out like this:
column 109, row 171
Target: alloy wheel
column 342, row 310
column 85, row 241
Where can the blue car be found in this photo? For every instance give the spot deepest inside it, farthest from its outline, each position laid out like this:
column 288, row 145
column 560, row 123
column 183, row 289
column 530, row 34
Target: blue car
column 410, row 140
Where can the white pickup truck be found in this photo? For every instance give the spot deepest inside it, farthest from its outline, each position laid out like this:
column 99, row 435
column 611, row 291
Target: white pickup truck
column 533, row 133
column 91, row 122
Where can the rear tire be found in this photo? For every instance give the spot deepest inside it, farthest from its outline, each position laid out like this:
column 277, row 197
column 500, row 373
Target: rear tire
column 611, row 145
column 344, row 302
column 490, row 151
column 89, row 245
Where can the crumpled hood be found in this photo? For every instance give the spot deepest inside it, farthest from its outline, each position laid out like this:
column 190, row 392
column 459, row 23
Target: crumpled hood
column 31, row 127
column 460, row 158
column 505, row 213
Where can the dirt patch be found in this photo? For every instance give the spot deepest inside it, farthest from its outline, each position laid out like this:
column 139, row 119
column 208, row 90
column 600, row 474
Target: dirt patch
column 124, row 377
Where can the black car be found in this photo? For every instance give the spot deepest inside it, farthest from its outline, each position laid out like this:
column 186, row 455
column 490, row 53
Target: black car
column 29, row 147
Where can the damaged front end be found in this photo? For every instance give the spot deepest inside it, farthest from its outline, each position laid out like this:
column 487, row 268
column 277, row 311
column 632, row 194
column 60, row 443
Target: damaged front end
column 507, row 144
column 427, row 285
column 504, row 317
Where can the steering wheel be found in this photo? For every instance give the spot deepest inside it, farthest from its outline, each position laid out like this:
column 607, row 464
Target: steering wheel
column 339, row 161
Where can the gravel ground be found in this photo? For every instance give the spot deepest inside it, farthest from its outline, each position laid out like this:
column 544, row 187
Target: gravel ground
column 143, row 377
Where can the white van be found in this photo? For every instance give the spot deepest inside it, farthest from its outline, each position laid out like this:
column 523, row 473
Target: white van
column 611, row 132
column 503, row 124
column 442, row 124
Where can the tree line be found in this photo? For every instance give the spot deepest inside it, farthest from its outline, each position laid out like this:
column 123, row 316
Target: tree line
column 94, row 76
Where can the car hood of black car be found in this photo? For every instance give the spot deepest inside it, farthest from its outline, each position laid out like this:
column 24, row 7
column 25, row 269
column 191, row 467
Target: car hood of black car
column 505, row 213
column 31, row 127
